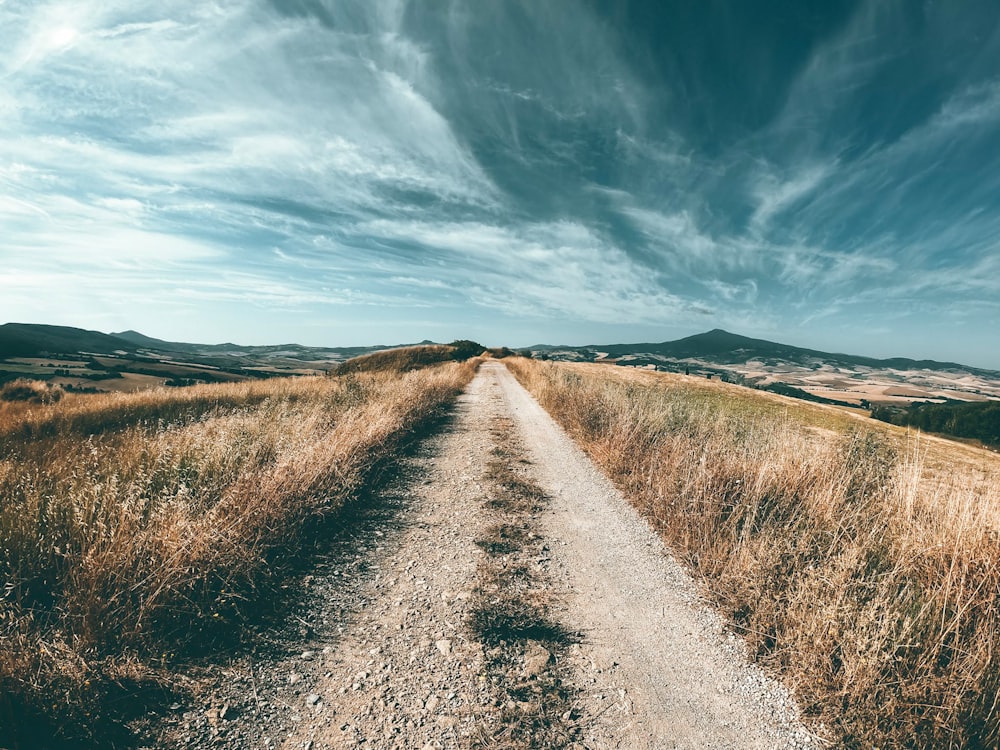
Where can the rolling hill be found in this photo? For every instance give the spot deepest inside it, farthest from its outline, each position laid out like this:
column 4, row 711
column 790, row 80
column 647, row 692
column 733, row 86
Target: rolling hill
column 722, row 347
column 32, row 340
column 824, row 377
column 82, row 358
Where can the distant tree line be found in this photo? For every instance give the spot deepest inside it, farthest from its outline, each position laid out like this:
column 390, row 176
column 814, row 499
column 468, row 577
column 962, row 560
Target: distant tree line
column 979, row 420
column 790, row 390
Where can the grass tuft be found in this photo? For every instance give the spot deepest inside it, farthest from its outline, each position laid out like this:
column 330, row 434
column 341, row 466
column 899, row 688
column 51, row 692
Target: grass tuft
column 31, row 391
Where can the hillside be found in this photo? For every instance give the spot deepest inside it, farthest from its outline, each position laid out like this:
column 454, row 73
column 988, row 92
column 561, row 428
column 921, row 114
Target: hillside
column 30, row 340
column 89, row 361
column 857, row 559
column 826, row 377
column 722, row 347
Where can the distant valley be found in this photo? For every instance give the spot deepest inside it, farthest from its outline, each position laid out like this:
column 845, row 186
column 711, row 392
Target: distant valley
column 84, row 360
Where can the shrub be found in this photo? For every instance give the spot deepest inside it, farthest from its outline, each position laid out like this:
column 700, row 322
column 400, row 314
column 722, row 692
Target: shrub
column 32, row 391
column 500, row 352
column 465, row 349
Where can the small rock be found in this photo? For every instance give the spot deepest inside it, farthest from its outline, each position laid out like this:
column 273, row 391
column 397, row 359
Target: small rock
column 312, row 699
column 536, row 659
column 432, row 703
column 444, row 646
column 307, row 655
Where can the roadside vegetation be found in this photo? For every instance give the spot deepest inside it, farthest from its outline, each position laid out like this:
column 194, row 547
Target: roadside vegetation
column 860, row 561
column 30, row 391
column 139, row 529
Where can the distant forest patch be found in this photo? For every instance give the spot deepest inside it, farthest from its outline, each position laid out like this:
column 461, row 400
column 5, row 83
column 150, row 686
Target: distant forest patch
column 790, row 390
column 979, row 420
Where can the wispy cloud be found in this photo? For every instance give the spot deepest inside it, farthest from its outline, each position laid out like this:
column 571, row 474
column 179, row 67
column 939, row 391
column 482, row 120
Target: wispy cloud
column 537, row 270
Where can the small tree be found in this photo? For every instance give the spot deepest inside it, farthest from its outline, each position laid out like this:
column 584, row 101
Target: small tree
column 465, row 349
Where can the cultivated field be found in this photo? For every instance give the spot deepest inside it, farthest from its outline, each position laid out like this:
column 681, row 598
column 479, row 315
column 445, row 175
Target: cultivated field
column 138, row 528
column 860, row 561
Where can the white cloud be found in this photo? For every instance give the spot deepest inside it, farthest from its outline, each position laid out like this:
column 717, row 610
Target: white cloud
column 230, row 98
column 775, row 195
column 560, row 269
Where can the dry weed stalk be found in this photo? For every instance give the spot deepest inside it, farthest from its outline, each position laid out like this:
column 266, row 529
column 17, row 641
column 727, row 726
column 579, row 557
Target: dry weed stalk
column 870, row 582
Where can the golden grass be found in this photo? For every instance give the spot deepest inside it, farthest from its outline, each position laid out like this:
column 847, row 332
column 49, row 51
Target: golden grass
column 134, row 525
column 400, row 359
column 860, row 561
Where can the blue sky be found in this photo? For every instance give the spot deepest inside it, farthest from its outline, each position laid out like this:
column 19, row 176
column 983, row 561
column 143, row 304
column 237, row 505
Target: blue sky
column 377, row 171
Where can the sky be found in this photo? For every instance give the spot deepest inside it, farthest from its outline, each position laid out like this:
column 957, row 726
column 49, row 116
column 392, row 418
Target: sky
column 343, row 172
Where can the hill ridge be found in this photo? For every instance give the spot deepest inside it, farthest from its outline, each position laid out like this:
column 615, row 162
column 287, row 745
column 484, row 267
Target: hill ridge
column 719, row 342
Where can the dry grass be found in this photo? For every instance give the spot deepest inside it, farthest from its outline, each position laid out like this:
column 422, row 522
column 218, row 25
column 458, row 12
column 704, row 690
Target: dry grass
column 856, row 560
column 134, row 526
column 400, row 359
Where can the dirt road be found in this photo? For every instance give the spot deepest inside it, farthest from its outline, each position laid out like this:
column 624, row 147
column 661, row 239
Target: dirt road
column 386, row 658
column 681, row 681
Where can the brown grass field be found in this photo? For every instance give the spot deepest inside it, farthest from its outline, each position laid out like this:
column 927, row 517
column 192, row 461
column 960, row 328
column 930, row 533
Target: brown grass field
column 859, row 560
column 137, row 527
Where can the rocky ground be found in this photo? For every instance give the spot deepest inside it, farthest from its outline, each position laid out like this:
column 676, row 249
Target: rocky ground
column 382, row 651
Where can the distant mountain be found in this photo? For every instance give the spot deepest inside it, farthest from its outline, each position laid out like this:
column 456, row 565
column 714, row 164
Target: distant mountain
column 288, row 351
column 716, row 347
column 142, row 341
column 725, row 348
column 31, row 339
